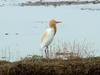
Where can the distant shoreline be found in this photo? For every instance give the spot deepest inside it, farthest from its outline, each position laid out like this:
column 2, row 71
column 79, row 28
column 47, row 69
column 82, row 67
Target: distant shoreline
column 91, row 9
column 39, row 3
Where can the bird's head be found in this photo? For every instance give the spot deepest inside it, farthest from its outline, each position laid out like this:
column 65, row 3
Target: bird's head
column 53, row 23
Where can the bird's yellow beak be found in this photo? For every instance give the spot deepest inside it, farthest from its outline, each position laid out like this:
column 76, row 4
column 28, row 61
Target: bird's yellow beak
column 58, row 22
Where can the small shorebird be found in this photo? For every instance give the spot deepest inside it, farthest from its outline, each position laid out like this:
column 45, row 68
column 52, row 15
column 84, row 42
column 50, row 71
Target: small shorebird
column 48, row 36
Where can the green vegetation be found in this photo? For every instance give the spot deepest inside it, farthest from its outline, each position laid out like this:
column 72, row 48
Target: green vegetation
column 35, row 66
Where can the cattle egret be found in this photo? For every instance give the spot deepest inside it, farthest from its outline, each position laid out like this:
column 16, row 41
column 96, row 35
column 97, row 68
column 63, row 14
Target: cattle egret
column 48, row 36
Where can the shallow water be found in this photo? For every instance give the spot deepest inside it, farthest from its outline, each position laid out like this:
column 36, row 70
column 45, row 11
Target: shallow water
column 25, row 26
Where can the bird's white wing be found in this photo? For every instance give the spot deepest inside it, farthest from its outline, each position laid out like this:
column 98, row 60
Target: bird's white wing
column 47, row 37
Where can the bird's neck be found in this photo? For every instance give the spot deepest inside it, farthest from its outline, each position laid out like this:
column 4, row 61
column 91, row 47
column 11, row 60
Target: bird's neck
column 55, row 29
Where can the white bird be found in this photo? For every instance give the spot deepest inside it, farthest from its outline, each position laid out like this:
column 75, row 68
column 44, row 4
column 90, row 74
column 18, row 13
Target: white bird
column 48, row 36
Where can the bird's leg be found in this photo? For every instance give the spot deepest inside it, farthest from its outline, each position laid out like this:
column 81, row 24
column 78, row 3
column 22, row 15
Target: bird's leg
column 47, row 53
